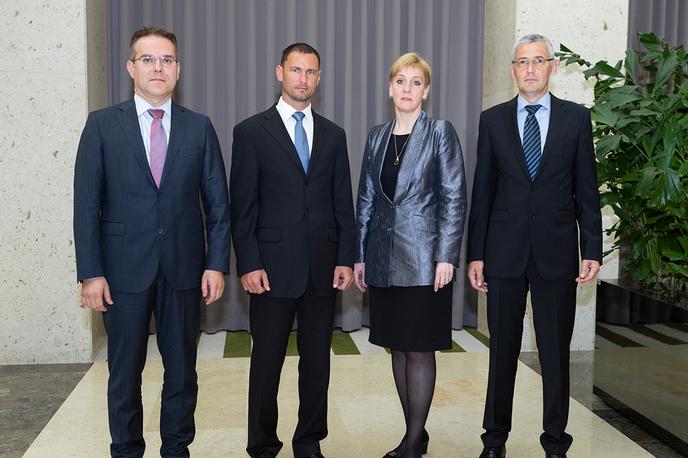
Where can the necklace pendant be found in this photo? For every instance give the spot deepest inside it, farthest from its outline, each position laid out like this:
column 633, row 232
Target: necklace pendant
column 396, row 161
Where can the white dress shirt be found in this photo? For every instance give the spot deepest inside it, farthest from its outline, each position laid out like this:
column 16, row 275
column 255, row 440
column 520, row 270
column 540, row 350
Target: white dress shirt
column 146, row 120
column 286, row 111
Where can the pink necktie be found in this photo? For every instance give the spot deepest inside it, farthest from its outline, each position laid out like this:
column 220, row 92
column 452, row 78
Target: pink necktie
column 158, row 145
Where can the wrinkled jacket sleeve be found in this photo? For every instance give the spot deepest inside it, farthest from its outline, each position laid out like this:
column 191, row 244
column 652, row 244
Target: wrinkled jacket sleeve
column 452, row 196
column 365, row 204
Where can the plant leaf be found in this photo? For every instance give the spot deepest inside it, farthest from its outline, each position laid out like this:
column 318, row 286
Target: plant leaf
column 631, row 65
column 603, row 114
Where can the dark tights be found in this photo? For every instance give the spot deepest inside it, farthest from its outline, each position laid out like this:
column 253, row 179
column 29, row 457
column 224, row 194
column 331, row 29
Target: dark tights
column 414, row 376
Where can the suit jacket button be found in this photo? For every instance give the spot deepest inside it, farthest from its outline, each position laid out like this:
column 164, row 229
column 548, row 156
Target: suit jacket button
column 159, row 231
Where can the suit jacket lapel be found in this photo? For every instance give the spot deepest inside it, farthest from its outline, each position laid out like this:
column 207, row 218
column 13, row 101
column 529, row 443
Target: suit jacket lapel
column 414, row 148
column 556, row 122
column 177, row 132
column 385, row 136
column 272, row 122
column 319, row 141
column 511, row 123
column 129, row 123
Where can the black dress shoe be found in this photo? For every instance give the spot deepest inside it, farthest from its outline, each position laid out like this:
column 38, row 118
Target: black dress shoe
column 397, row 452
column 493, row 452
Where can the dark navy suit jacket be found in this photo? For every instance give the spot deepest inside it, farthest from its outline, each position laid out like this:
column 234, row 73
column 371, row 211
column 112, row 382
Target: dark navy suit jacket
column 125, row 228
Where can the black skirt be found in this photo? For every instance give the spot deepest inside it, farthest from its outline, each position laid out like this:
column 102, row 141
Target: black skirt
column 413, row 318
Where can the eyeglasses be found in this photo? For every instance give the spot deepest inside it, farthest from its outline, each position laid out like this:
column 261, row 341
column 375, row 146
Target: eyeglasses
column 149, row 61
column 524, row 62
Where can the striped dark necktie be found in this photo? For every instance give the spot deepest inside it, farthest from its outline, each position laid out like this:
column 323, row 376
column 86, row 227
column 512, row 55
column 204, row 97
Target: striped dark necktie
column 531, row 141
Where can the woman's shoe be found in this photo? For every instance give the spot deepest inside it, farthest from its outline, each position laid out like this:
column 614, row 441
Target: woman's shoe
column 399, row 451
column 425, row 442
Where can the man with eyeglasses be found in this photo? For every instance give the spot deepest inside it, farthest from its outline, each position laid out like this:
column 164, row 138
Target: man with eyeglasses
column 143, row 167
column 534, row 194
column 293, row 232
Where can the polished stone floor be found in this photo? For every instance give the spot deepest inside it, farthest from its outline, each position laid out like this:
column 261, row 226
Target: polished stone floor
column 30, row 396
column 364, row 412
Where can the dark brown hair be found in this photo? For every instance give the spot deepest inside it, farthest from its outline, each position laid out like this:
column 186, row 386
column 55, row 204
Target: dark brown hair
column 148, row 31
column 304, row 48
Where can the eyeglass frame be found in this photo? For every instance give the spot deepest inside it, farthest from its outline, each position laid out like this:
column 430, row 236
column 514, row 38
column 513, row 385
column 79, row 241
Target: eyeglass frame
column 156, row 59
column 524, row 62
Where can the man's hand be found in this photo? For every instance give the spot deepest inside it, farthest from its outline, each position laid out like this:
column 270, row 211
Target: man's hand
column 359, row 276
column 255, row 282
column 444, row 272
column 342, row 278
column 475, row 276
column 212, row 285
column 93, row 291
column 589, row 270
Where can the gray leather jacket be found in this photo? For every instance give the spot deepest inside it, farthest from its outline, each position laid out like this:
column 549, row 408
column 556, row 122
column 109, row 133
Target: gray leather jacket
column 402, row 241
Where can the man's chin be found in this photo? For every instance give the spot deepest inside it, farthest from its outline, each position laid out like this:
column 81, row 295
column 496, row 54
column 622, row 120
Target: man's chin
column 301, row 97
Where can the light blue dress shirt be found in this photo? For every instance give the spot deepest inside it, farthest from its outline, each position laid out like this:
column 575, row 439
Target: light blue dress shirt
column 542, row 116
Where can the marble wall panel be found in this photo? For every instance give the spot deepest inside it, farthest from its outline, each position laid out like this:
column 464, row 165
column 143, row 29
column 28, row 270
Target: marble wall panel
column 44, row 100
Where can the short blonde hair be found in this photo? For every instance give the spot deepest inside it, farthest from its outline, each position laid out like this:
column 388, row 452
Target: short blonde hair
column 411, row 59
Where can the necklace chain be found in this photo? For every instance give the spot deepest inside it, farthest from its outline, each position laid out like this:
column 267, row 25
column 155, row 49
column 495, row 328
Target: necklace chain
column 398, row 154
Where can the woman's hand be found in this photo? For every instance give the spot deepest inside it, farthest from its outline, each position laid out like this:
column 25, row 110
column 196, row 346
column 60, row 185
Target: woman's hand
column 444, row 272
column 359, row 276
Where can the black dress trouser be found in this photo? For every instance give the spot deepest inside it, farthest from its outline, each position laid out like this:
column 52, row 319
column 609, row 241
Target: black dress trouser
column 554, row 308
column 272, row 319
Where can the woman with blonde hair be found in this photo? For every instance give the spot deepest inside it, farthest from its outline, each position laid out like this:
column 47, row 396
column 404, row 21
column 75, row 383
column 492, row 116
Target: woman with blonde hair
column 410, row 217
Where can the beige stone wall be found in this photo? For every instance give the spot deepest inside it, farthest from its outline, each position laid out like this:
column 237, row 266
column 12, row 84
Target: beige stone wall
column 595, row 30
column 45, row 95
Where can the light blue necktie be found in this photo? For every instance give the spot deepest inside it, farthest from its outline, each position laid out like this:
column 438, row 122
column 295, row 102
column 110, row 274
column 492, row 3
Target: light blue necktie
column 531, row 141
column 300, row 140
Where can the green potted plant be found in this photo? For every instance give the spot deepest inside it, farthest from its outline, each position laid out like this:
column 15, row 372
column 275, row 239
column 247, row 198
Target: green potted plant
column 640, row 116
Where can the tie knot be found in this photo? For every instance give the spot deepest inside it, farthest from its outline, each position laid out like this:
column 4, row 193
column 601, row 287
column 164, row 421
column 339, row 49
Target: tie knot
column 298, row 115
column 157, row 114
column 531, row 109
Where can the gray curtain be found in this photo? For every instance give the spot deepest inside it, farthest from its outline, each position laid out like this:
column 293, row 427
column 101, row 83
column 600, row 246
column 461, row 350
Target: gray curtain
column 666, row 18
column 228, row 50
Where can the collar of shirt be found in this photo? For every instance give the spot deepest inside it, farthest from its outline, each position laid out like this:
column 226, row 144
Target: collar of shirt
column 286, row 111
column 545, row 101
column 142, row 107
column 146, row 120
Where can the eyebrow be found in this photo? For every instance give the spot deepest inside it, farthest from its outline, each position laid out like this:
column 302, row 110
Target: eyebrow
column 151, row 55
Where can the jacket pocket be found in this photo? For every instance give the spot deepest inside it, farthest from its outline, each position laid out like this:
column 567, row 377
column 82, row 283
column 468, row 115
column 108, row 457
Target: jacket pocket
column 110, row 228
column 425, row 223
column 190, row 152
column 268, row 234
column 499, row 215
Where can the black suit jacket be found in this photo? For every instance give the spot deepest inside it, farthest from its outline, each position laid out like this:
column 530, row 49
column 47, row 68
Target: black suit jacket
column 287, row 222
column 125, row 228
column 512, row 215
